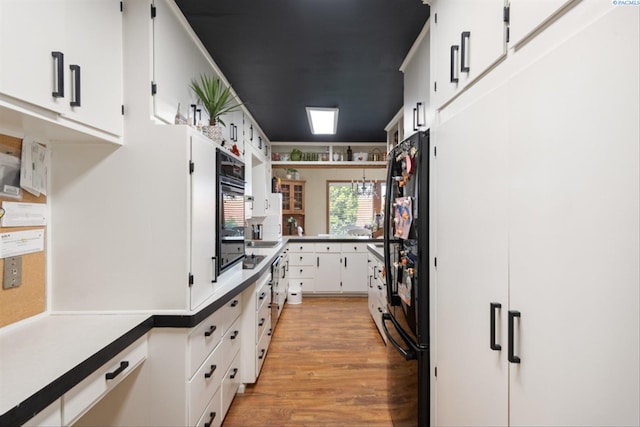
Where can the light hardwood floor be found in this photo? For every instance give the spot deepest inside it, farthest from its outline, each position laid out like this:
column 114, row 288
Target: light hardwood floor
column 326, row 366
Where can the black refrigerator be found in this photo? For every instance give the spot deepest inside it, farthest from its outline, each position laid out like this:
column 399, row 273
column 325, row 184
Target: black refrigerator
column 406, row 255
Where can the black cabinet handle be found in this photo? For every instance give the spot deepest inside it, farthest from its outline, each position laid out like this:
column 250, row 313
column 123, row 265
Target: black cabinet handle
column 261, row 322
column 453, row 54
column 262, row 352
column 194, row 108
column 262, row 295
column 345, row 262
column 234, row 373
column 111, row 375
column 75, row 70
column 211, row 330
column 418, row 115
column 213, row 369
column 464, row 42
column 269, row 333
column 58, row 58
column 212, row 416
column 415, row 112
column 492, row 333
column 215, row 270
column 234, row 335
column 260, row 142
column 512, row 357
column 234, row 303
column 251, row 133
column 231, row 132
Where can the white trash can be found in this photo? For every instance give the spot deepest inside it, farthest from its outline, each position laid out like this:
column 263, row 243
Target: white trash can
column 295, row 295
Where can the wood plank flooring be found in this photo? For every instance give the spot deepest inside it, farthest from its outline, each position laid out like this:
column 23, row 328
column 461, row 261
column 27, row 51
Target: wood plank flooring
column 326, row 366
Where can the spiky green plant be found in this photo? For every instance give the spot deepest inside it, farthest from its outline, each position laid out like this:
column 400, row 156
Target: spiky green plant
column 215, row 97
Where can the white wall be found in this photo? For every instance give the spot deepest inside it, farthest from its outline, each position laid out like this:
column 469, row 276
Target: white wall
column 316, row 192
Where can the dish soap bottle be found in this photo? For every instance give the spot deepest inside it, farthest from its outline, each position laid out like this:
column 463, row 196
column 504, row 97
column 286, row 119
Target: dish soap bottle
column 349, row 154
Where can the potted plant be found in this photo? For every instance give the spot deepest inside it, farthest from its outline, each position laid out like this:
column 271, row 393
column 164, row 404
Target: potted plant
column 217, row 100
column 291, row 173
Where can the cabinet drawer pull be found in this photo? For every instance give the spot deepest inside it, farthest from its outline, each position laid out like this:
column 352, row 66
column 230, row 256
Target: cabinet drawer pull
column 418, row 115
column 464, row 43
column 262, row 320
column 492, row 331
column 269, row 333
column 214, row 270
column 212, row 416
column 111, row 375
column 262, row 352
column 58, row 58
column 452, row 56
column 262, row 295
column 234, row 373
column 512, row 357
column 211, row 330
column 75, row 70
column 213, row 369
column 234, row 303
column 234, row 335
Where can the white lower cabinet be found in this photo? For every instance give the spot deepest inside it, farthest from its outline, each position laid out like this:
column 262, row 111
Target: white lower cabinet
column 230, row 384
column 302, row 267
column 212, row 416
column 256, row 326
column 49, row 416
column 377, row 293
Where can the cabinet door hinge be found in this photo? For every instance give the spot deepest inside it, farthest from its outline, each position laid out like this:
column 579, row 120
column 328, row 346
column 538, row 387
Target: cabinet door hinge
column 122, row 109
column 192, row 166
column 190, row 279
column 154, row 88
column 153, row 11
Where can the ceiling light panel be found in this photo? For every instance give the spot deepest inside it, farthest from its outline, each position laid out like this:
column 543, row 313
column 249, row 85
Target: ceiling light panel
column 322, row 121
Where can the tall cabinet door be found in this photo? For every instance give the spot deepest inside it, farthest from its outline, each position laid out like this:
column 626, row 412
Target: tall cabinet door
column 472, row 265
column 203, row 218
column 574, row 237
column 527, row 15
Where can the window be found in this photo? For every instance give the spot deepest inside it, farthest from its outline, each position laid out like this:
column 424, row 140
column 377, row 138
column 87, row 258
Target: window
column 347, row 210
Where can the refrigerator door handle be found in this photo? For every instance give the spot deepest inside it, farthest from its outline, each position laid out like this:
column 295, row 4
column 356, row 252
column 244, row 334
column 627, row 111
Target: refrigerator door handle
column 408, row 354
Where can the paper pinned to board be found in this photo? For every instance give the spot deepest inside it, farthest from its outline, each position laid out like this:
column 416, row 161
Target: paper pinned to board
column 18, row 214
column 33, row 168
column 18, row 243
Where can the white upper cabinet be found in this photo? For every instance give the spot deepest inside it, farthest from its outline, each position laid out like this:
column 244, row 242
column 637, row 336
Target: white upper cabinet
column 177, row 59
column 468, row 38
column 527, row 15
column 418, row 114
column 67, row 60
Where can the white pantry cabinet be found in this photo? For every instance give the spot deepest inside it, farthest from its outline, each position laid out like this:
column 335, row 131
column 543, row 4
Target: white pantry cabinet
column 468, row 37
column 525, row 16
column 65, row 57
column 418, row 113
column 538, row 239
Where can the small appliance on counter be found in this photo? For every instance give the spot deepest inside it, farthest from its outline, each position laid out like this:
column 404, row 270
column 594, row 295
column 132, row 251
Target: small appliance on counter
column 256, row 232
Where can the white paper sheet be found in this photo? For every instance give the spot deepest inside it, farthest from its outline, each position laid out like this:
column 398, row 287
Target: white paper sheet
column 33, row 170
column 18, row 214
column 21, row 242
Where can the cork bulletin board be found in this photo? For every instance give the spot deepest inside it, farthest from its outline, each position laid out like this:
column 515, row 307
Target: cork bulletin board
column 29, row 298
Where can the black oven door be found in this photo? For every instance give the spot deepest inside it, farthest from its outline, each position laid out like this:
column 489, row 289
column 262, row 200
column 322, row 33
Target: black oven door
column 230, row 225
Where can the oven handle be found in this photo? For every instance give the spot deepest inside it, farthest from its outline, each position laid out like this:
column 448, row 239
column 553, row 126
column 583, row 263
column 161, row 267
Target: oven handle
column 232, row 189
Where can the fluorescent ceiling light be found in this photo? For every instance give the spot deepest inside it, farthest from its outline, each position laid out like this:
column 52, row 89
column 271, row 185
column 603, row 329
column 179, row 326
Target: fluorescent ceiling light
column 323, row 121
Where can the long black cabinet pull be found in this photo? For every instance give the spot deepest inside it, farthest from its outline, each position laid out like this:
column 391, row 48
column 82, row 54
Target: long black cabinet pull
column 58, row 58
column 418, row 115
column 234, row 373
column 415, row 113
column 464, row 43
column 111, row 375
column 214, row 270
column 262, row 352
column 512, row 357
column 75, row 70
column 212, row 416
column 234, row 335
column 453, row 55
column 210, row 373
column 492, row 312
column 211, row 330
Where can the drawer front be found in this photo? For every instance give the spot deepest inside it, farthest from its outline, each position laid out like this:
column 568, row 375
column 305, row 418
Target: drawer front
column 358, row 248
column 301, row 247
column 230, row 385
column 302, row 259
column 204, row 383
column 261, row 351
column 327, row 247
column 307, row 285
column 302, row 271
column 263, row 319
column 202, row 340
column 263, row 296
column 90, row 390
column 231, row 342
column 230, row 312
column 49, row 416
column 212, row 415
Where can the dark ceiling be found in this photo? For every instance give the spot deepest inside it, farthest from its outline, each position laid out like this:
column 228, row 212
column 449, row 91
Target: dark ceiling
column 283, row 55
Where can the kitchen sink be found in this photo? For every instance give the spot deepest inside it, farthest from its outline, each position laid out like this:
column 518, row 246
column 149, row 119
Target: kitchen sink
column 251, row 261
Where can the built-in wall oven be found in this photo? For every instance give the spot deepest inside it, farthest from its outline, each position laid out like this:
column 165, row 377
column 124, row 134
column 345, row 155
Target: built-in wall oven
column 230, row 211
